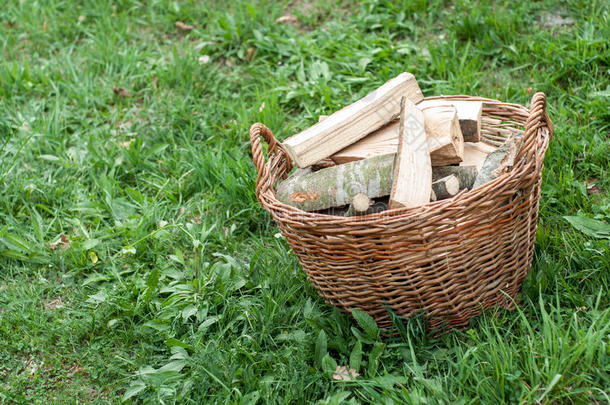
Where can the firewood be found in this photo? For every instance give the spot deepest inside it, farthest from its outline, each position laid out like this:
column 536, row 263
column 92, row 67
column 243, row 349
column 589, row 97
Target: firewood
column 337, row 185
column 359, row 205
column 465, row 174
column 475, row 153
column 499, row 161
column 469, row 115
column 443, row 137
column 353, row 122
column 412, row 178
column 381, row 142
column 446, row 187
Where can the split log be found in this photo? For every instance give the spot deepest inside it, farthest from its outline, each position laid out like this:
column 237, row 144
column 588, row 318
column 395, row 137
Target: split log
column 381, row 142
column 499, row 161
column 446, row 187
column 469, row 114
column 475, row 153
column 337, row 185
column 443, row 137
column 412, row 178
column 353, row 122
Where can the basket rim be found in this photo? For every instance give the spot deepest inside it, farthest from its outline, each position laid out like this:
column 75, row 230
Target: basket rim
column 296, row 217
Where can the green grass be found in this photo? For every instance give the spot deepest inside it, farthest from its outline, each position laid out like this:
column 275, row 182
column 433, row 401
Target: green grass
column 175, row 286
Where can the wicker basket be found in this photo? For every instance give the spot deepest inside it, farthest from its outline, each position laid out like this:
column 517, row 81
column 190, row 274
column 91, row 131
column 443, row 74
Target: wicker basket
column 448, row 259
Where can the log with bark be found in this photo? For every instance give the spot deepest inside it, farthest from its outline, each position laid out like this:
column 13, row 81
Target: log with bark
column 336, row 186
column 466, row 175
column 353, row 122
column 499, row 161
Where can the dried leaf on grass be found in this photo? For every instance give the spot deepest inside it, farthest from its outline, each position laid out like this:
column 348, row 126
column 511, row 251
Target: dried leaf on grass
column 54, row 304
column 184, row 27
column 120, row 92
column 63, row 242
column 592, row 188
column 344, row 373
column 287, row 19
column 126, row 144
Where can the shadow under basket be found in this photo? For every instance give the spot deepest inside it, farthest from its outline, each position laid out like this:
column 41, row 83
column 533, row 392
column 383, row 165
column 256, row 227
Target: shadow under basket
column 447, row 260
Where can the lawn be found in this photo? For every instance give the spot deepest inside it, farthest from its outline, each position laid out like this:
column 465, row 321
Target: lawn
column 136, row 263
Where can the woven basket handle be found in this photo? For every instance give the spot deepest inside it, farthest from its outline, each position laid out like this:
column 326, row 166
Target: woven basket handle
column 256, row 131
column 537, row 118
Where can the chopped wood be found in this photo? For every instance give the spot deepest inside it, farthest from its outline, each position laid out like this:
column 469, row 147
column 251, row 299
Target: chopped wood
column 412, row 178
column 446, row 187
column 317, row 191
column 469, row 114
column 443, row 137
column 353, row 122
column 359, row 205
column 465, row 174
column 337, row 185
column 475, row 153
column 361, row 202
column 499, row 161
column 381, row 142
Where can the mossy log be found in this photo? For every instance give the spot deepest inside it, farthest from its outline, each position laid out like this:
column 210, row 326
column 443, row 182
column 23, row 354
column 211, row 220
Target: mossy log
column 336, row 186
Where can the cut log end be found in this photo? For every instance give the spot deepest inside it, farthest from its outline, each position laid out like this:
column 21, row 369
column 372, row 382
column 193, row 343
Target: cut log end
column 361, row 202
column 446, row 187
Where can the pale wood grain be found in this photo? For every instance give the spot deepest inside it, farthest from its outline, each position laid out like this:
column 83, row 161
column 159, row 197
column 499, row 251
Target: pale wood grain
column 353, row 122
column 412, row 179
column 469, row 114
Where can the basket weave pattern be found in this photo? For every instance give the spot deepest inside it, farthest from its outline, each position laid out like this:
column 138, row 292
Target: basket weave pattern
column 448, row 259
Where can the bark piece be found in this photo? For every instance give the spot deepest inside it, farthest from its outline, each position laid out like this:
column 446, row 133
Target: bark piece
column 412, row 177
column 353, row 122
column 499, row 161
column 469, row 114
